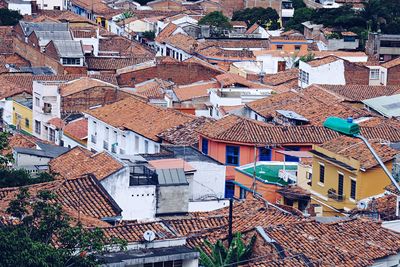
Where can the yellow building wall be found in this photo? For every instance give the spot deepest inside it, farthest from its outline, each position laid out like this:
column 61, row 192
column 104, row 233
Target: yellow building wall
column 368, row 183
column 22, row 115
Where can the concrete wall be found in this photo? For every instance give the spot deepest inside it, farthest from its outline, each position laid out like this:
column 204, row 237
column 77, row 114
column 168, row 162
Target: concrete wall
column 172, row 199
column 208, row 205
column 130, row 142
column 331, row 73
column 23, row 8
column 136, row 202
column 29, row 160
column 208, row 180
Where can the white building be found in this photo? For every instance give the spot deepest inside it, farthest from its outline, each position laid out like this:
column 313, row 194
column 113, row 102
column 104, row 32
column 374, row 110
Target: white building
column 22, row 6
column 130, row 127
column 52, row 4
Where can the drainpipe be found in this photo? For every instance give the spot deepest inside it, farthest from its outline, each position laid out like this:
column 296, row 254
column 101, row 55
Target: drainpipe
column 230, row 221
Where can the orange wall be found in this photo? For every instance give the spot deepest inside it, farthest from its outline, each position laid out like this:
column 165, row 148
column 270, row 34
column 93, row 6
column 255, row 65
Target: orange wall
column 290, row 47
column 267, row 191
column 216, row 150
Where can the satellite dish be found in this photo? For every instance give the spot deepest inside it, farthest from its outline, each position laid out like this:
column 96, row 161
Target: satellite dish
column 149, row 235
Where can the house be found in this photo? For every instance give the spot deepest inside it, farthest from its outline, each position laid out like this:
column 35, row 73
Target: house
column 334, row 39
column 257, row 30
column 36, row 159
column 67, row 52
column 166, row 5
column 229, row 141
column 59, row 100
column 384, row 105
column 207, row 184
column 130, row 126
column 289, row 41
column 267, row 178
column 22, row 115
column 383, row 47
column 155, row 91
column 70, row 133
column 22, row 6
column 308, row 107
column 24, row 29
column 52, row 5
column 345, row 171
column 332, row 70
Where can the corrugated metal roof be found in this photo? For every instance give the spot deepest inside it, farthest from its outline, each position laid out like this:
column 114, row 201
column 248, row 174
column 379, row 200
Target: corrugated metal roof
column 68, row 48
column 171, row 176
column 46, row 36
column 291, row 115
column 29, row 27
column 388, row 106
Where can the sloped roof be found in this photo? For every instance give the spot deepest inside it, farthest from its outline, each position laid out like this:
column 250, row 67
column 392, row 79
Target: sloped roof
column 79, row 161
column 68, row 48
column 229, row 79
column 355, row 148
column 392, row 63
column 194, row 90
column 77, row 129
column 323, row 61
column 140, row 117
column 82, row 84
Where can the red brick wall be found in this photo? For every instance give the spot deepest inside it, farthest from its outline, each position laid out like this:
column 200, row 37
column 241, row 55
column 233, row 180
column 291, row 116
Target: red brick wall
column 393, row 76
column 83, row 100
column 33, row 41
column 75, row 70
column 51, row 51
column 355, row 74
column 19, row 33
column 180, row 73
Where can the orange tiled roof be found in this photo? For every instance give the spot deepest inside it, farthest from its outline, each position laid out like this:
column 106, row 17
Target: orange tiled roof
column 392, row 63
column 19, row 140
column 308, row 104
column 361, row 92
column 229, row 79
column 79, row 161
column 355, row 148
column 113, row 63
column 182, row 41
column 252, row 28
column 194, row 90
column 282, row 77
column 140, row 117
column 171, row 164
column 166, row 32
column 185, row 134
column 322, row 61
column 153, row 89
column 57, row 122
column 82, row 195
column 237, row 129
column 82, row 84
column 77, row 129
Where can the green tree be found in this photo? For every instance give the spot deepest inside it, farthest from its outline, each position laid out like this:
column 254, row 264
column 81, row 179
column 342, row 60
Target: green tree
column 298, row 4
column 216, row 19
column 300, row 15
column 45, row 237
column 12, row 178
column 9, row 17
column 267, row 17
column 221, row 256
column 149, row 35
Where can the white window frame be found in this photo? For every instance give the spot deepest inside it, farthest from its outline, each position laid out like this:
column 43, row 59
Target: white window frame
column 374, row 74
column 350, row 198
column 319, row 172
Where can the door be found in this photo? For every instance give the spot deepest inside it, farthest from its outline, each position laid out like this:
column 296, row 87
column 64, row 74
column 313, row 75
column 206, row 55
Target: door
column 281, row 66
column 340, row 185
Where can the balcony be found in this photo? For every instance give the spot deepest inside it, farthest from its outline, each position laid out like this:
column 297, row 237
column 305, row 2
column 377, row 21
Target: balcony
column 335, row 196
column 46, row 109
column 141, row 175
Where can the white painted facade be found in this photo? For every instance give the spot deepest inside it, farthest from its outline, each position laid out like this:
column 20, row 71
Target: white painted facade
column 137, row 202
column 208, row 180
column 234, row 97
column 102, row 136
column 70, row 143
column 52, row 4
column 7, row 106
column 331, row 73
column 21, row 160
column 46, row 106
column 93, row 41
column 208, row 205
column 23, row 7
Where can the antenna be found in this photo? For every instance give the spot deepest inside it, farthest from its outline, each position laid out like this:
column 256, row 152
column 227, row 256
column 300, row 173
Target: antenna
column 149, row 235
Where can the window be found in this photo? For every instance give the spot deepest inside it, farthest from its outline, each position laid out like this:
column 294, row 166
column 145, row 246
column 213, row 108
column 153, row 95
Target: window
column 349, row 38
column 57, row 8
column 279, row 47
column 232, row 155
column 27, row 123
column 37, row 127
column 44, row 5
column 264, row 154
column 256, row 117
column 71, row 61
column 340, row 184
column 37, row 101
column 146, row 146
column 297, row 47
column 137, row 144
column 304, row 76
column 353, row 186
column 374, row 74
column 321, row 173
column 47, row 108
column 242, row 193
column 204, row 146
column 52, row 135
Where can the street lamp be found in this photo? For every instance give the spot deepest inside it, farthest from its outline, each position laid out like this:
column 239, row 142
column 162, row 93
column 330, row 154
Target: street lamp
column 349, row 128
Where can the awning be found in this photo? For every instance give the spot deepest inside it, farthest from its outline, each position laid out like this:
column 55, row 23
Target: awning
column 297, row 154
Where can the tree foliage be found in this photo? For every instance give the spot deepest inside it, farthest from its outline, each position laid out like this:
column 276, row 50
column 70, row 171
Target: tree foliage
column 45, row 237
column 12, row 178
column 238, row 251
column 9, row 17
column 149, row 35
column 216, row 19
column 266, row 17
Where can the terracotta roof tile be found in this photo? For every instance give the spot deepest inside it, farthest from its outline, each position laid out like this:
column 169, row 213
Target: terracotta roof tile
column 19, row 140
column 153, row 89
column 308, row 104
column 182, row 41
column 384, row 207
column 113, row 63
column 361, row 92
column 56, row 122
column 392, row 63
column 82, row 84
column 194, row 90
column 140, row 117
column 229, row 79
column 77, row 129
column 166, row 32
column 322, row 61
column 355, row 148
column 185, row 134
column 252, row 29
column 282, row 77
column 81, row 195
column 79, row 161
column 120, row 46
column 238, row 23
